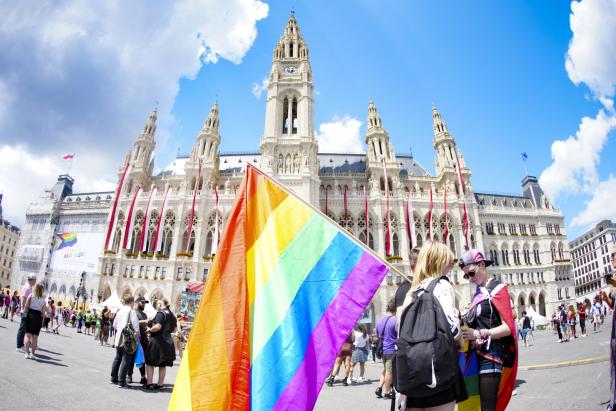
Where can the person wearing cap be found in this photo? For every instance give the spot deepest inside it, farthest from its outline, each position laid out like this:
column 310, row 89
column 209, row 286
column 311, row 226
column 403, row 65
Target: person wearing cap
column 25, row 293
column 491, row 331
column 140, row 303
column 609, row 296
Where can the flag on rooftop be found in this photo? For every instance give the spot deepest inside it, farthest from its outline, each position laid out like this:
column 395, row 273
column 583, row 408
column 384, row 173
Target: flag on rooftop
column 286, row 287
column 524, row 156
column 68, row 156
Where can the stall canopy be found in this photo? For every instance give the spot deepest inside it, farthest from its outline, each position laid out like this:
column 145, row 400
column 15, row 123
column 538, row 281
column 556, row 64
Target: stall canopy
column 195, row 286
column 536, row 317
column 113, row 303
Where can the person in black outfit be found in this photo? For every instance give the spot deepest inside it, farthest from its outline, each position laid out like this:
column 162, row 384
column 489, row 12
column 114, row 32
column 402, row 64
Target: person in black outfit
column 143, row 324
column 160, row 351
column 404, row 288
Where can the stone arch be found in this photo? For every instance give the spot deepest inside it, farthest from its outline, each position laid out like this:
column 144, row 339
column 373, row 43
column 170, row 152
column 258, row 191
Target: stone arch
column 141, row 292
column 155, row 295
column 62, row 292
column 532, row 301
column 542, row 306
column 126, row 291
column 106, row 292
column 521, row 303
column 53, row 291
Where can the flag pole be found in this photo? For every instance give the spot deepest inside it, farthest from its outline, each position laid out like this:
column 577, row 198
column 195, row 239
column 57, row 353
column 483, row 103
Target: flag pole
column 322, row 214
column 70, row 164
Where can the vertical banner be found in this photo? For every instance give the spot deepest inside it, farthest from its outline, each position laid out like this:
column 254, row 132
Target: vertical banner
column 446, row 229
column 467, row 224
column 128, row 230
column 192, row 209
column 326, row 187
column 114, row 210
column 367, row 217
column 387, row 222
column 143, row 245
column 430, row 215
column 410, row 221
column 158, row 238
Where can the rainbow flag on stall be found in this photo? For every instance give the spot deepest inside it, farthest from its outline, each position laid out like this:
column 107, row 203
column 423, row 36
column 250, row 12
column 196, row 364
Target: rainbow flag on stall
column 67, row 240
column 285, row 290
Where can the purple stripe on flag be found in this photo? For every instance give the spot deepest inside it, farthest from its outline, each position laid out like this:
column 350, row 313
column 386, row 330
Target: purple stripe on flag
column 327, row 337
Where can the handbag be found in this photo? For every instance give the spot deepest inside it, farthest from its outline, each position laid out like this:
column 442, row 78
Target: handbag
column 379, row 346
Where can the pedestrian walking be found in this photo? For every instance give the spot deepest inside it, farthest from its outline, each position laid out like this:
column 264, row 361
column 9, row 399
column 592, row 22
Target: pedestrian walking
column 34, row 308
column 25, row 293
column 105, row 325
column 582, row 317
column 491, row 331
column 526, row 329
column 360, row 353
column 596, row 314
column 343, row 357
column 125, row 318
column 572, row 319
column 2, row 300
column 609, row 296
column 178, row 336
column 386, row 330
column 564, row 322
column 161, row 352
column 7, row 304
column 374, row 340
column 59, row 318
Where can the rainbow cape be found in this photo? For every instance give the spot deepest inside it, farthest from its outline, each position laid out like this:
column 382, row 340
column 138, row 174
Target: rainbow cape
column 499, row 297
column 68, row 240
column 285, row 289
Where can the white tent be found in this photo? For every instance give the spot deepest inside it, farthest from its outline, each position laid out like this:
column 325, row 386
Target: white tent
column 536, row 317
column 113, row 303
column 149, row 310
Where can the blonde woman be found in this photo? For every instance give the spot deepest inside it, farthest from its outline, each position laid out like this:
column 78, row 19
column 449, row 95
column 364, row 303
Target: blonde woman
column 34, row 308
column 434, row 261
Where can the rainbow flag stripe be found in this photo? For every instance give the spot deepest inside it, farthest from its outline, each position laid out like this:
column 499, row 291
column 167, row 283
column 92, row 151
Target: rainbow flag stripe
column 68, row 240
column 286, row 288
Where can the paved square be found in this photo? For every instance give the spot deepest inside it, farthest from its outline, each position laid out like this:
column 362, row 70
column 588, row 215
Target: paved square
column 72, row 372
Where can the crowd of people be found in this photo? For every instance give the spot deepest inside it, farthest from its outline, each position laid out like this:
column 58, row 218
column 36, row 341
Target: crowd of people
column 145, row 343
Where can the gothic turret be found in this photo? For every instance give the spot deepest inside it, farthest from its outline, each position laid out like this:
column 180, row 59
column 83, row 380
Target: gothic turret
column 288, row 145
column 140, row 156
column 444, row 144
column 205, row 150
column 380, row 150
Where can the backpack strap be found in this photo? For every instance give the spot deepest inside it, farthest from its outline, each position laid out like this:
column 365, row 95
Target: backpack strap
column 432, row 285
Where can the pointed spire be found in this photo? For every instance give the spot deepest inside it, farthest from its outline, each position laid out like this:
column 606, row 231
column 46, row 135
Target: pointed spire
column 374, row 119
column 438, row 124
column 212, row 122
column 291, row 44
column 149, row 128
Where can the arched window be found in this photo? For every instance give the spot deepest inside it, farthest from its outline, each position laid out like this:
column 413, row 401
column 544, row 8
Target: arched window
column 294, row 116
column 452, row 244
column 209, row 240
column 285, row 116
column 115, row 247
column 396, row 244
column 419, row 240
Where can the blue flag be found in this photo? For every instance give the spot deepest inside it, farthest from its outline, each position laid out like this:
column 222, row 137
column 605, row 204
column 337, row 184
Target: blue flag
column 524, row 156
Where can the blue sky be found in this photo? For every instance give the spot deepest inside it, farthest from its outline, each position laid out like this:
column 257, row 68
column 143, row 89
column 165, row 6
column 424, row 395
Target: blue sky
column 495, row 70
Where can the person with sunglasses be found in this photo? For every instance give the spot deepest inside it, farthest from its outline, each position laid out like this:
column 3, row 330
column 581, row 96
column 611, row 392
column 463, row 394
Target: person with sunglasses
column 491, row 331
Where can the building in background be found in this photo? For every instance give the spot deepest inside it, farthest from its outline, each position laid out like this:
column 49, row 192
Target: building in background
column 168, row 224
column 591, row 259
column 61, row 239
column 9, row 236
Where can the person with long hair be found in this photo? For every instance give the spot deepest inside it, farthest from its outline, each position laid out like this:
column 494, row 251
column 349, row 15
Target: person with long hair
column 343, row 357
column 59, row 318
column 35, row 313
column 571, row 317
column 178, row 336
column 360, row 353
column 434, row 262
column 491, row 331
column 104, row 326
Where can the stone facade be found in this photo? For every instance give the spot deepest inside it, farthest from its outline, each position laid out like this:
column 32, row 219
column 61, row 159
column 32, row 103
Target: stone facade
column 591, row 259
column 9, row 236
column 531, row 248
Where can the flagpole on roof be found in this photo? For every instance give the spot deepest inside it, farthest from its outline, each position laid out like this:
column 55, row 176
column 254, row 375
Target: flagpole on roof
column 524, row 157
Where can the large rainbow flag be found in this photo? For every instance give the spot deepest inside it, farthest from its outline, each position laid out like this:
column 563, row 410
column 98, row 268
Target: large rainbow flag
column 67, row 240
column 285, row 290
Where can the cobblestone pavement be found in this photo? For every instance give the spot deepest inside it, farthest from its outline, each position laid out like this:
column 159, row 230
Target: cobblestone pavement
column 72, row 372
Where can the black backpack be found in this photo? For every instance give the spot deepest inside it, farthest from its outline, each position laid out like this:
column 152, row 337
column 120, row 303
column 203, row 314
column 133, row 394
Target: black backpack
column 426, row 347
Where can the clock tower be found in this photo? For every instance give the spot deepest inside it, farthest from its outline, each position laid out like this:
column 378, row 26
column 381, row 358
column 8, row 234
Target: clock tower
column 288, row 145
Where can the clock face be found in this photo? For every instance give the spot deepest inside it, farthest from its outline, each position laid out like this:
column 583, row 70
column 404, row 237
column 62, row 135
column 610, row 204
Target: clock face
column 290, row 69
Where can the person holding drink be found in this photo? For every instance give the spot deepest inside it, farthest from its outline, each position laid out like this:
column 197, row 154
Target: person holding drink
column 490, row 330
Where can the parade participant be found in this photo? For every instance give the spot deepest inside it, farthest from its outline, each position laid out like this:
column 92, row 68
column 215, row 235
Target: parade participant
column 374, row 340
column 564, row 322
column 343, row 357
column 609, row 296
column 86, row 319
column 14, row 304
column 2, row 300
column 526, row 328
column 34, row 309
column 7, row 304
column 360, row 353
column 491, row 329
column 178, row 336
column 386, row 330
column 80, row 318
column 140, row 303
column 582, row 316
column 104, row 320
column 434, row 262
column 25, row 293
column 125, row 317
column 95, row 324
column 59, row 318
column 47, row 315
column 596, row 314
column 160, row 352
column 571, row 318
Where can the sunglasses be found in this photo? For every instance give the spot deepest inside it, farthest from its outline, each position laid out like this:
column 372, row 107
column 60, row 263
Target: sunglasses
column 471, row 273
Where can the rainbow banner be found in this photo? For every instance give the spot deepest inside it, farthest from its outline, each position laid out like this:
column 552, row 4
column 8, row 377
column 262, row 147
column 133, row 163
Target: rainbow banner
column 68, row 240
column 285, row 290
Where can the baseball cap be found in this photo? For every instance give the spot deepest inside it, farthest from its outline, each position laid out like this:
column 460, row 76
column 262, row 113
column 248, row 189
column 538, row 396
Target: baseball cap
column 141, row 299
column 473, row 257
column 31, row 277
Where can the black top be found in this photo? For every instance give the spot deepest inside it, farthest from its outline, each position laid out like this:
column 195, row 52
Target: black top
column 483, row 315
column 526, row 323
column 142, row 327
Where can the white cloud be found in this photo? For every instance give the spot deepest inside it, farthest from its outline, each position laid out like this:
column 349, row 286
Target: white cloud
column 258, row 89
column 591, row 58
column 341, row 135
column 600, row 206
column 79, row 78
column 575, row 159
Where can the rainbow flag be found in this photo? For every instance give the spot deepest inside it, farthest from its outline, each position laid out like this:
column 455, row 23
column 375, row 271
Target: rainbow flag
column 285, row 290
column 68, row 240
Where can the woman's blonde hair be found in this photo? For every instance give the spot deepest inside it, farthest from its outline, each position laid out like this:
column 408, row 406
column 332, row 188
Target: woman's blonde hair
column 433, row 257
column 38, row 290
